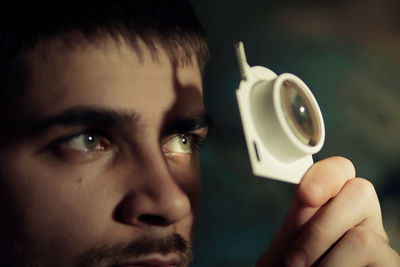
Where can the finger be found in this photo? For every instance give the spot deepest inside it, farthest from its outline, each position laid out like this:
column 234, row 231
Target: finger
column 324, row 180
column 361, row 247
column 356, row 204
column 324, row 177
column 321, row 183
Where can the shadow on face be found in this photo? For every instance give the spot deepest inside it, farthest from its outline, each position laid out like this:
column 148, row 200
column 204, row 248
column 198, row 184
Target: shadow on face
column 97, row 154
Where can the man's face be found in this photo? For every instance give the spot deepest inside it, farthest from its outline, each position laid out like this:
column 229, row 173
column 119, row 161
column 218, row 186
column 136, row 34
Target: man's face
column 100, row 167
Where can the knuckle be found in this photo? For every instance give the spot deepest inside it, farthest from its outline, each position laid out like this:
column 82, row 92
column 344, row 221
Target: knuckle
column 363, row 188
column 385, row 238
column 315, row 233
column 363, row 237
column 366, row 197
column 316, row 229
column 312, row 236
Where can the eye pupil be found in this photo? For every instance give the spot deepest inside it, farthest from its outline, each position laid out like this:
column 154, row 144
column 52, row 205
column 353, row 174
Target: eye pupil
column 91, row 141
column 184, row 140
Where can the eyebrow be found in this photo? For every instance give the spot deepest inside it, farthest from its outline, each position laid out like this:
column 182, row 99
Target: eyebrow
column 106, row 118
column 190, row 123
column 89, row 117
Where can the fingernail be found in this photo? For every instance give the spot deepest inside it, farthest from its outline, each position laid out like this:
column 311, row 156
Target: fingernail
column 295, row 259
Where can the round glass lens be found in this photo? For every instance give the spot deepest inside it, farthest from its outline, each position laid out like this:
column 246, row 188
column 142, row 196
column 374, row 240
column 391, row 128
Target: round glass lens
column 299, row 113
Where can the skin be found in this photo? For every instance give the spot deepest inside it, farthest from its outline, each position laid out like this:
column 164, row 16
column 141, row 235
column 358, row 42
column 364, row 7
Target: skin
column 137, row 181
column 136, row 186
column 335, row 220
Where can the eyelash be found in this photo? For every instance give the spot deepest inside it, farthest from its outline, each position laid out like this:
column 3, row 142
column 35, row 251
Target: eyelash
column 196, row 139
column 56, row 144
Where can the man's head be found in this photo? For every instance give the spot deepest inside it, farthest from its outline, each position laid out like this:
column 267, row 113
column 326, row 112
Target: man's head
column 102, row 105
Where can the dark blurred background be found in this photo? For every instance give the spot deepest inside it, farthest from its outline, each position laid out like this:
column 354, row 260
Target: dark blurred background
column 348, row 53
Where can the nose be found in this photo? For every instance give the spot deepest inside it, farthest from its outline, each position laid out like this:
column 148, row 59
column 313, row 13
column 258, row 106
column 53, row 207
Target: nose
column 155, row 197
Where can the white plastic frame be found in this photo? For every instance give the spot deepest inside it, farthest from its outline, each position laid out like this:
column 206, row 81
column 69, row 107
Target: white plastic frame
column 274, row 150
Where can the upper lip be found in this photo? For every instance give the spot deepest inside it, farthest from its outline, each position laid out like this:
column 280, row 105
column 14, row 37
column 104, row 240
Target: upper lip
column 151, row 263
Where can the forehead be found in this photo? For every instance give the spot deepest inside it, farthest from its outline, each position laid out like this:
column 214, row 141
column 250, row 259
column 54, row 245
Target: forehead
column 110, row 75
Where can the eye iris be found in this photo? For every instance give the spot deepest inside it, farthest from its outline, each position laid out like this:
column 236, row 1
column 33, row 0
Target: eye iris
column 185, row 142
column 91, row 142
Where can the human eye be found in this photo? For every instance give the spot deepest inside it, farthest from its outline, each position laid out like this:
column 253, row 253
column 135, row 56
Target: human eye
column 85, row 142
column 82, row 147
column 182, row 144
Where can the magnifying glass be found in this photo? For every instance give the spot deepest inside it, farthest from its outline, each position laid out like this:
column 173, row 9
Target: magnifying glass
column 281, row 119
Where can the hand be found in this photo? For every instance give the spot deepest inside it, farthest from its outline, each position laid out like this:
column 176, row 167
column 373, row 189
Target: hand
column 335, row 220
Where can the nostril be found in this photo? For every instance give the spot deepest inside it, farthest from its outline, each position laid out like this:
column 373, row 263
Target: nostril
column 153, row 220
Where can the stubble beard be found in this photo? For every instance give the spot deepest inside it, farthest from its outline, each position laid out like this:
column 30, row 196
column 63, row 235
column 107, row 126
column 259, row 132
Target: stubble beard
column 30, row 254
column 111, row 255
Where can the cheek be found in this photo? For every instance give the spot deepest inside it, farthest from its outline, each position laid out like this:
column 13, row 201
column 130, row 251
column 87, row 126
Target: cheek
column 54, row 210
column 186, row 171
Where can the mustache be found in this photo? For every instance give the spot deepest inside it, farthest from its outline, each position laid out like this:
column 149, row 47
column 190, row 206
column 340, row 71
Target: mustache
column 112, row 255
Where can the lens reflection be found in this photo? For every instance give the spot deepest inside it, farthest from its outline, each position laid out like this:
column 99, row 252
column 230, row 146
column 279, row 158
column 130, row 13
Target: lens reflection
column 299, row 113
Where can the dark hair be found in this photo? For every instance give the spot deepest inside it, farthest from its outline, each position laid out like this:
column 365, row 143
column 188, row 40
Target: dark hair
column 169, row 23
